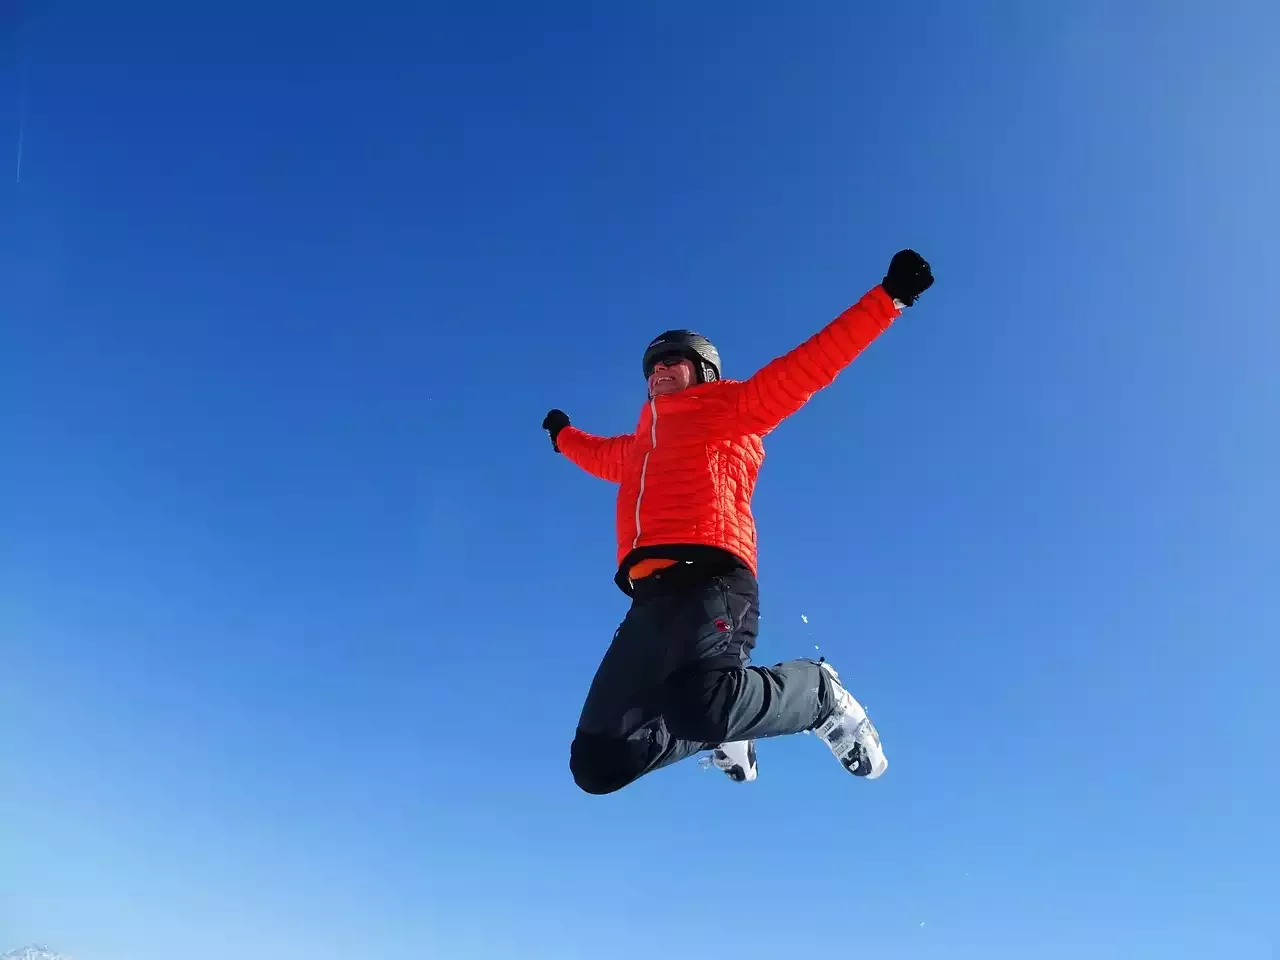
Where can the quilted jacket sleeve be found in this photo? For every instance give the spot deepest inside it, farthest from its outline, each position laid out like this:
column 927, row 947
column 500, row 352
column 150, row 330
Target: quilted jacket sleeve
column 602, row 457
column 784, row 385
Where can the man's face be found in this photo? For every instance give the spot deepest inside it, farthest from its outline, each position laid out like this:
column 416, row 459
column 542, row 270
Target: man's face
column 671, row 374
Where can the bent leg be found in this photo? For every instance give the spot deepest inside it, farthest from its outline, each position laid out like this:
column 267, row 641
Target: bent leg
column 621, row 734
column 715, row 696
column 745, row 703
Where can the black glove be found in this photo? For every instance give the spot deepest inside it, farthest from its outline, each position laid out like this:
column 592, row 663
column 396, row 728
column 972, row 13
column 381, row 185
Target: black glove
column 908, row 276
column 553, row 423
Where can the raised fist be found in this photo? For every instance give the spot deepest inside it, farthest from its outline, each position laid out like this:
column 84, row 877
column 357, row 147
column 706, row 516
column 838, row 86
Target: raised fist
column 553, row 423
column 908, row 277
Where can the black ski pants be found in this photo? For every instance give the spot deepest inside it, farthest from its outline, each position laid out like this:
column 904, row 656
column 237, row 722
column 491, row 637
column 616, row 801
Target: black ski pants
column 676, row 680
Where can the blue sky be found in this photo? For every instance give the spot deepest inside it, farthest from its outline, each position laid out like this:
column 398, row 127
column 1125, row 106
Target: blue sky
column 297, row 606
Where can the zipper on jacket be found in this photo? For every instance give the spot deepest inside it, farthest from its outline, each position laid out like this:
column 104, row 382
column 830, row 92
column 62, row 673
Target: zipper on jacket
column 644, row 467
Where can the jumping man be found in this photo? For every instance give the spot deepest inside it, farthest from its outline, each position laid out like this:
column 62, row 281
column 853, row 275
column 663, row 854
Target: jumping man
column 677, row 677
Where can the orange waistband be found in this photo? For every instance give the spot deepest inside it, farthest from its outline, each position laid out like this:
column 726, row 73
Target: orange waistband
column 646, row 567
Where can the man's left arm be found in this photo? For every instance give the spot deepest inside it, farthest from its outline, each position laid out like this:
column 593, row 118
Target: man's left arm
column 784, row 385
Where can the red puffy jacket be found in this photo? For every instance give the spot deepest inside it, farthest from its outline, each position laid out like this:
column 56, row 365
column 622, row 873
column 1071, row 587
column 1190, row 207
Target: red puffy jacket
column 687, row 473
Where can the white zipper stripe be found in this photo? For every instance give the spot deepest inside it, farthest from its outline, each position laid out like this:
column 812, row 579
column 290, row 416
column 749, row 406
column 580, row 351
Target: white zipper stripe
column 644, row 467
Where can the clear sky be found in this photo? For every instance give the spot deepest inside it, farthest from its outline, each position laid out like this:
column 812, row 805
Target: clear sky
column 298, row 607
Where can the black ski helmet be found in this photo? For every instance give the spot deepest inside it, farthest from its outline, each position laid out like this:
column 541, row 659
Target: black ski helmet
column 685, row 343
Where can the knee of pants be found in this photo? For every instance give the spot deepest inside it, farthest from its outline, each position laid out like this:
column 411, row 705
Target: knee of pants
column 694, row 705
column 602, row 765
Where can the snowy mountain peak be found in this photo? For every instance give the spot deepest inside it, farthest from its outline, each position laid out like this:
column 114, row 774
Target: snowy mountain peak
column 32, row 953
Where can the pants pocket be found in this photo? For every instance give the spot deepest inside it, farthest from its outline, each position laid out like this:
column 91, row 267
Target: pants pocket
column 704, row 628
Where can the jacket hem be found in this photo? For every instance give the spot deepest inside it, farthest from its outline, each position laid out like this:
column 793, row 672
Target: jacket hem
column 715, row 560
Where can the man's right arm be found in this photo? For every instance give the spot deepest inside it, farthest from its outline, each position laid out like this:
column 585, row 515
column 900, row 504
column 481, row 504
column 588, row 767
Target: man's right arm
column 602, row 457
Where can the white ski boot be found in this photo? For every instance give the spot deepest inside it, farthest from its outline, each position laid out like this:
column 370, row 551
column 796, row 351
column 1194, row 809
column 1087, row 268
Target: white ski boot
column 850, row 733
column 737, row 759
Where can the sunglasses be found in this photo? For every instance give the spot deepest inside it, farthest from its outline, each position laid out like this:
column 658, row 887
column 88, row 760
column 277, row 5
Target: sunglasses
column 667, row 360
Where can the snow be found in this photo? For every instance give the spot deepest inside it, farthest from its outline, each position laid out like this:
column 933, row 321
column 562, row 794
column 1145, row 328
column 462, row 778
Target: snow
column 33, row 952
